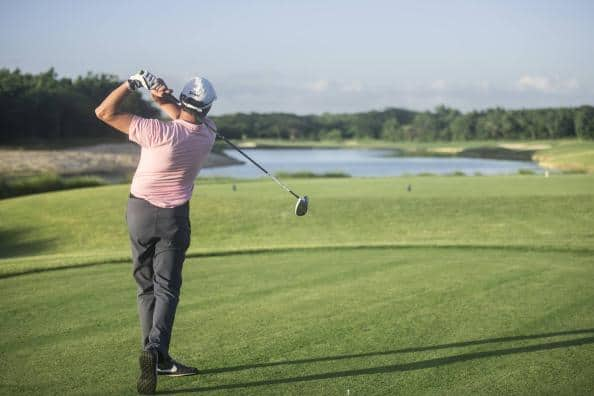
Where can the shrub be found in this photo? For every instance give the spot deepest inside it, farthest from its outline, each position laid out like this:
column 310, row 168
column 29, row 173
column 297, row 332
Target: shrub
column 310, row 175
column 12, row 186
column 457, row 173
column 526, row 172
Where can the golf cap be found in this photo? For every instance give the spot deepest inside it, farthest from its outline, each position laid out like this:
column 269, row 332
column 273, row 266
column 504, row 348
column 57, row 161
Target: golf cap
column 198, row 94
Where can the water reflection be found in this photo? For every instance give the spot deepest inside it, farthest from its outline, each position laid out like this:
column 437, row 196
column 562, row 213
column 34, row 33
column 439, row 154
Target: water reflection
column 357, row 162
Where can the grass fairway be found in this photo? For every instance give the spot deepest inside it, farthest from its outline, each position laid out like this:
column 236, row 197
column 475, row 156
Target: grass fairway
column 569, row 155
column 465, row 285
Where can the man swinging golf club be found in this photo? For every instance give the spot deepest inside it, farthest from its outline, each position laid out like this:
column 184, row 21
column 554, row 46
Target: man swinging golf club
column 158, row 210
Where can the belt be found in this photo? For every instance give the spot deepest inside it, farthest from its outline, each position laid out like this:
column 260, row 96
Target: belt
column 135, row 197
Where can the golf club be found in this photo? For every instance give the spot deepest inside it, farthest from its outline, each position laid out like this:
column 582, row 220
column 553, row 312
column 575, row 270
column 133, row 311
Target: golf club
column 302, row 202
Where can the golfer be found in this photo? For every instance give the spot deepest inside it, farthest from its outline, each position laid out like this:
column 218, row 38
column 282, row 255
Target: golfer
column 158, row 208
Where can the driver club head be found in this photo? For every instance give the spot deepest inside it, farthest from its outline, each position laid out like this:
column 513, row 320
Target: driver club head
column 301, row 206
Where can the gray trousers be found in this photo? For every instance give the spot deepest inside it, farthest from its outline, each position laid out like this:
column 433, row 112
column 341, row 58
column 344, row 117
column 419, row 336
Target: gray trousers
column 159, row 238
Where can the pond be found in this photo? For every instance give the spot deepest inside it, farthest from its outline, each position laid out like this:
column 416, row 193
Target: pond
column 360, row 162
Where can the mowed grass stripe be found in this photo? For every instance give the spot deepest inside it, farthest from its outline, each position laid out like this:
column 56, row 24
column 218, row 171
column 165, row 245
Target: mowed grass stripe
column 26, row 266
column 374, row 321
column 88, row 226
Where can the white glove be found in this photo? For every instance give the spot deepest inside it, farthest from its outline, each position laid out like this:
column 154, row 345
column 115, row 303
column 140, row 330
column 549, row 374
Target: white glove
column 143, row 79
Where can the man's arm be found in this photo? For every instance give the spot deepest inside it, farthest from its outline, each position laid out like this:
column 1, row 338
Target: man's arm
column 159, row 95
column 107, row 111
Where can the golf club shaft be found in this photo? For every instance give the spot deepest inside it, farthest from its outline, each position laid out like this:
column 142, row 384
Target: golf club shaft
column 253, row 162
column 172, row 98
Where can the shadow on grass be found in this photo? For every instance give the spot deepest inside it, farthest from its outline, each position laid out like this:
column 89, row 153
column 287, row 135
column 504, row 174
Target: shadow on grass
column 418, row 365
column 282, row 250
column 499, row 153
column 14, row 243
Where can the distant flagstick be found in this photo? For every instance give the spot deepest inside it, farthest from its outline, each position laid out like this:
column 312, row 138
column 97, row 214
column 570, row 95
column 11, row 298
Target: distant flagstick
column 302, row 202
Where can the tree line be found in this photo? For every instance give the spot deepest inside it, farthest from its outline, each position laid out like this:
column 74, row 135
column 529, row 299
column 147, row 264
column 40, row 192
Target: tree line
column 442, row 124
column 45, row 107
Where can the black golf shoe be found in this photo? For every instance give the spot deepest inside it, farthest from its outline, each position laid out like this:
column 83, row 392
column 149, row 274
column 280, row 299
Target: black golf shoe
column 147, row 380
column 171, row 368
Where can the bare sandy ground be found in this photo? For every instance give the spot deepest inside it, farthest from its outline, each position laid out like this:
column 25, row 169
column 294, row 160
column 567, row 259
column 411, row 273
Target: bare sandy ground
column 525, row 146
column 447, row 150
column 113, row 160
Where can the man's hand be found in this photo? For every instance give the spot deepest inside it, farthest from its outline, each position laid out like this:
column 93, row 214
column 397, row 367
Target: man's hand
column 161, row 95
column 160, row 91
column 144, row 79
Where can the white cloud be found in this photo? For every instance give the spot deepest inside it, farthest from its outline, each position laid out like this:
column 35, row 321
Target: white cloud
column 318, row 86
column 268, row 92
column 546, row 84
column 483, row 85
column 352, row 86
column 438, row 85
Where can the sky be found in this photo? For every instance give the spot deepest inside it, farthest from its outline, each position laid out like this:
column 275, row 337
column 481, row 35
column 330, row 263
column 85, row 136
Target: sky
column 311, row 57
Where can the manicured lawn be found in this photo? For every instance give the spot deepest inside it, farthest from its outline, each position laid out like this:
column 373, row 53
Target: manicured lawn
column 88, row 225
column 375, row 321
column 465, row 285
column 569, row 155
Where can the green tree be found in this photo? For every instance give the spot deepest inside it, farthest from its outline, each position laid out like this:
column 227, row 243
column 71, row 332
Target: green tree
column 44, row 106
column 391, row 129
column 331, row 134
column 584, row 122
column 444, row 118
column 463, row 127
column 427, row 125
column 563, row 124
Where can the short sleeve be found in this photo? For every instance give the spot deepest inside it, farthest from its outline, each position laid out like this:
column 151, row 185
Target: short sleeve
column 146, row 132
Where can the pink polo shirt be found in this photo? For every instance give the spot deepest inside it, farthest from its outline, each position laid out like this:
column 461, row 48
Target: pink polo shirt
column 171, row 157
